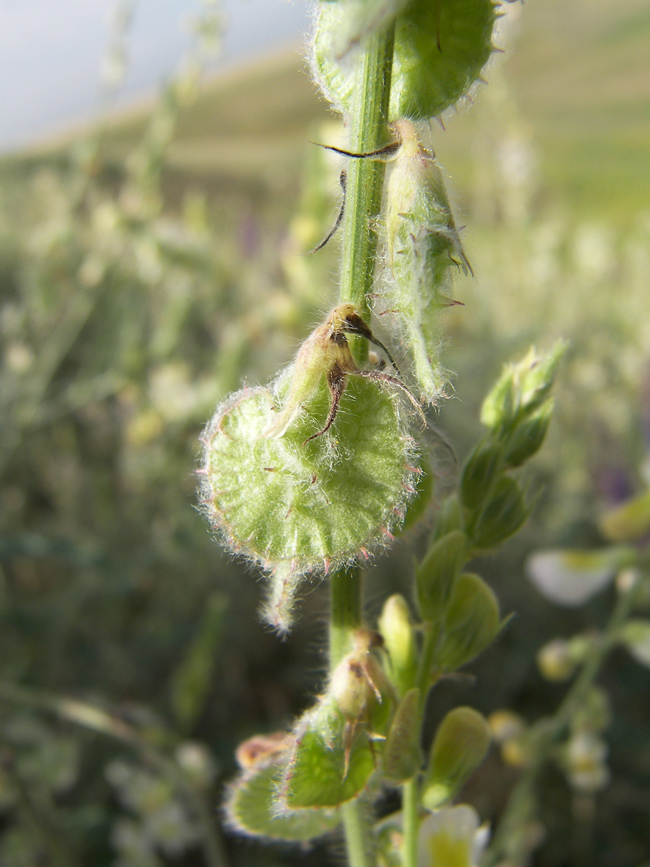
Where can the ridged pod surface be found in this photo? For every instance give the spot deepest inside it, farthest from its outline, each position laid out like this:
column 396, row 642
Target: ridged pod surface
column 297, row 506
column 423, row 249
column 441, row 46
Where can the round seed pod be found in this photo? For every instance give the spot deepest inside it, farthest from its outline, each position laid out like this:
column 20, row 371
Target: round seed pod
column 441, row 47
column 299, row 506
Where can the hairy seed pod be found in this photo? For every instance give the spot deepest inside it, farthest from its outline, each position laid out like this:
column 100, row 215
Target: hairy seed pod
column 441, row 47
column 313, row 473
column 422, row 249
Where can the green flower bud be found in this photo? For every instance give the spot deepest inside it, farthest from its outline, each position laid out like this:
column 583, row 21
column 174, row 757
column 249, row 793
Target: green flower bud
column 501, row 517
column 438, row 572
column 480, row 473
column 314, row 473
column 528, row 436
column 460, row 745
column 521, row 390
column 399, row 641
column 440, row 49
column 402, row 752
column 471, row 622
column 422, row 246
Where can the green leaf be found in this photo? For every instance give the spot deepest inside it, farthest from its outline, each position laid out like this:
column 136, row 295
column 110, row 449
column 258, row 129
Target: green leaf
column 402, row 752
column 331, row 763
column 459, row 747
column 438, row 571
column 471, row 622
column 252, row 808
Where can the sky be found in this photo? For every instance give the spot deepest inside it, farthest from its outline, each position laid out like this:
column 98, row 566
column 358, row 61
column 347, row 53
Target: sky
column 51, row 52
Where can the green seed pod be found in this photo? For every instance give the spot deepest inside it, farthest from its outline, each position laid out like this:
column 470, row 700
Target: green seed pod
column 459, row 747
column 471, row 622
column 334, row 753
column 252, row 805
column 422, row 248
column 440, row 48
column 314, row 473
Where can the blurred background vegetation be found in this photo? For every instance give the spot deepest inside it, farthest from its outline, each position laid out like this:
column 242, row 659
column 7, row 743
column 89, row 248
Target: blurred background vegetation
column 150, row 264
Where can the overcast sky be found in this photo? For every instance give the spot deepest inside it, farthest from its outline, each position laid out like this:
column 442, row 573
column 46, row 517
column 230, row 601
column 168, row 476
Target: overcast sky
column 51, row 52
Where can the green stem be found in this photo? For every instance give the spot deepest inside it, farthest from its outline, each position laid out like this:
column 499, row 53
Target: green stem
column 411, row 790
column 365, row 177
column 345, row 612
column 364, row 191
column 521, row 794
column 410, row 821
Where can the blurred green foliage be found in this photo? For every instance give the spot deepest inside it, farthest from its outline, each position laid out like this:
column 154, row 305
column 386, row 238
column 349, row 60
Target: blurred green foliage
column 142, row 276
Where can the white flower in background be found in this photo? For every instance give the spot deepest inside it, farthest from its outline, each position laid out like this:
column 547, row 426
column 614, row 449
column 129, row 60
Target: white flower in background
column 451, row 837
column 585, row 760
column 570, row 578
column 636, row 638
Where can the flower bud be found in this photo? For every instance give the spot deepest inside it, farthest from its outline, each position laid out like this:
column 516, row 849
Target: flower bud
column 399, row 641
column 501, row 517
column 528, row 437
column 480, row 473
column 459, row 747
column 521, row 390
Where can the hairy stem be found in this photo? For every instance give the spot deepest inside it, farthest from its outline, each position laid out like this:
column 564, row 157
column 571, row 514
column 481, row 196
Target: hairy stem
column 364, row 190
column 365, row 178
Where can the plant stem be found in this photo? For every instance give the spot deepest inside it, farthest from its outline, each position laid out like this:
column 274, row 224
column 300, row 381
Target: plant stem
column 364, row 192
column 410, row 823
column 411, row 789
column 520, row 796
column 365, row 177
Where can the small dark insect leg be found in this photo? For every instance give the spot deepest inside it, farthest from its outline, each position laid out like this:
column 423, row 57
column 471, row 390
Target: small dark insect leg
column 343, row 181
column 336, row 383
column 380, row 376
